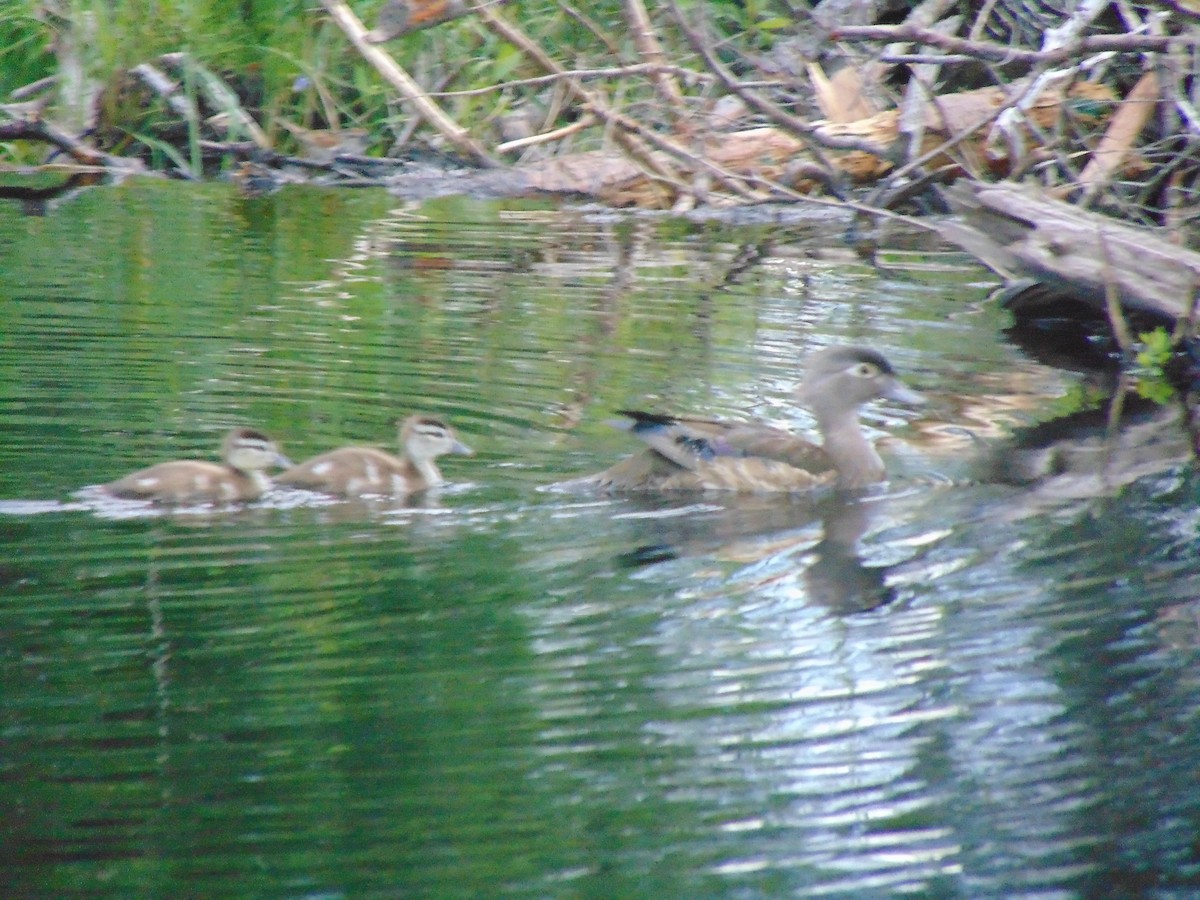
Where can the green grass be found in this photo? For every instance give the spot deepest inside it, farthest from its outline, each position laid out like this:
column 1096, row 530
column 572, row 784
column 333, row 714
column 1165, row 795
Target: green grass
column 286, row 58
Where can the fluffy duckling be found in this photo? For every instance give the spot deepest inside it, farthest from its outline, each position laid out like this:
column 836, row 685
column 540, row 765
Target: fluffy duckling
column 241, row 476
column 359, row 471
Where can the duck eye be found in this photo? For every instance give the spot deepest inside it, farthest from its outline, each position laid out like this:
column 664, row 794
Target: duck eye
column 866, row 370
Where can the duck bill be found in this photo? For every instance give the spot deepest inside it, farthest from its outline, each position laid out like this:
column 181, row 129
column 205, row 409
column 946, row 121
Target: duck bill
column 901, row 394
column 283, row 462
column 462, row 449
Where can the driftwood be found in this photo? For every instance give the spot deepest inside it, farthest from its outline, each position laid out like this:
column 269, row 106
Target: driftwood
column 779, row 160
column 1021, row 232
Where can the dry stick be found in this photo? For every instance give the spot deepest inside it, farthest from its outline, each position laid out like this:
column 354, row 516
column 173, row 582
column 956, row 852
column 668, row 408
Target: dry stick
column 1112, row 298
column 981, row 18
column 591, row 26
column 1112, row 425
column 414, row 122
column 690, row 76
column 1097, row 43
column 1183, row 104
column 628, row 133
column 1116, row 145
column 163, row 85
column 799, row 127
column 631, row 143
column 40, row 130
column 220, row 96
column 651, row 51
column 925, row 59
column 925, row 15
column 1185, row 326
column 587, row 121
column 34, row 88
column 950, row 143
column 808, row 133
column 408, row 88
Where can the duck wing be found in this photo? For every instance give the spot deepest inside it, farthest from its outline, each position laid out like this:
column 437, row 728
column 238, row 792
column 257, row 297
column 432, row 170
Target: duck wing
column 692, row 443
column 686, row 453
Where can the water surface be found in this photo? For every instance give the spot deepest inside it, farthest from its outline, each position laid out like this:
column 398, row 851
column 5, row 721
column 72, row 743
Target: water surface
column 979, row 682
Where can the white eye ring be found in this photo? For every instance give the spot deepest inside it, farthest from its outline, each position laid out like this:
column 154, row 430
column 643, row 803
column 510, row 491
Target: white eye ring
column 866, row 370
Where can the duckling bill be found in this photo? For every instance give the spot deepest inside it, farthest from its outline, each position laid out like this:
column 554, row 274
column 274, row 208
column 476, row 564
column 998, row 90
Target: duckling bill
column 241, row 476
column 687, row 453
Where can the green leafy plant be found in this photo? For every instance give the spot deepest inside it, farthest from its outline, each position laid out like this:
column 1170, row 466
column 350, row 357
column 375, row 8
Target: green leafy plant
column 1157, row 349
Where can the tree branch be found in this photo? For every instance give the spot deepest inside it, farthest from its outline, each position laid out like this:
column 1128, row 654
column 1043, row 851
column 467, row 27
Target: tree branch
column 404, row 83
column 1097, row 43
column 632, row 137
column 807, row 132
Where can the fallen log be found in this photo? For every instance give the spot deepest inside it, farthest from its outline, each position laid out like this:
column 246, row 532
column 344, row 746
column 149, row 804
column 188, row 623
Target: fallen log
column 1019, row 232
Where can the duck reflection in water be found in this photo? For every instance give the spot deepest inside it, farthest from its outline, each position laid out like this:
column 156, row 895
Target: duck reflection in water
column 1093, row 452
column 792, row 481
column 755, row 530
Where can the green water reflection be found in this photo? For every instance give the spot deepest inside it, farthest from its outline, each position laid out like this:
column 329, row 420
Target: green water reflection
column 492, row 691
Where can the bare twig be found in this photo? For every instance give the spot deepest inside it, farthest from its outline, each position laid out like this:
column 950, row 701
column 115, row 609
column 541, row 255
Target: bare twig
column 1185, row 326
column 404, row 83
column 546, row 137
column 920, row 59
column 221, row 97
column 807, row 132
column 1116, row 145
column 591, row 26
column 1112, row 297
column 1097, row 43
column 165, row 87
column 953, row 141
column 651, row 52
column 688, row 76
column 1182, row 8
column 40, row 130
column 1112, row 430
column 926, row 14
column 624, row 135
column 34, row 88
column 632, row 137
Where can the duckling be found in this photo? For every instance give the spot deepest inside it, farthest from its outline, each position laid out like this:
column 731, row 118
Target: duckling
column 246, row 454
column 702, row 454
column 358, row 471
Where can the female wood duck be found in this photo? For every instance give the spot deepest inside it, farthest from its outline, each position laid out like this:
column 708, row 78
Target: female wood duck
column 246, row 455
column 359, row 471
column 701, row 454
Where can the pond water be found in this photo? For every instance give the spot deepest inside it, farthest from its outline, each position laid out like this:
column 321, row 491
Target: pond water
column 981, row 681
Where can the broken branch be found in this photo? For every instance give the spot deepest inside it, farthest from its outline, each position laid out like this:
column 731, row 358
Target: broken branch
column 406, row 85
column 1096, row 43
